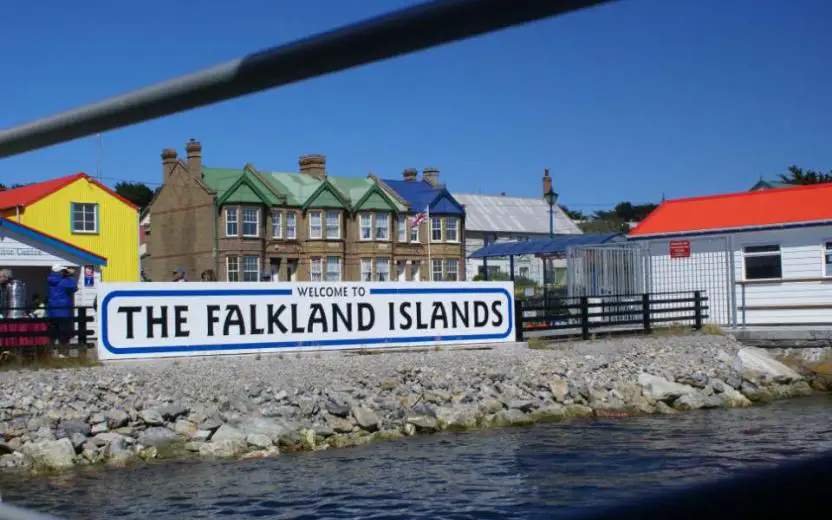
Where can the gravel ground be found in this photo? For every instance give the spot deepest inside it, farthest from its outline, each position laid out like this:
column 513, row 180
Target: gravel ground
column 257, row 406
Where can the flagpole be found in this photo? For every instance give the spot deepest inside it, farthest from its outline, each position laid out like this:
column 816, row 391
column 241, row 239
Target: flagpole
column 430, row 235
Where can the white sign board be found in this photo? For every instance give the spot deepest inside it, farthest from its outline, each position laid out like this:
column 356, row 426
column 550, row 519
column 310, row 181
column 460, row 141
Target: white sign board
column 14, row 253
column 150, row 320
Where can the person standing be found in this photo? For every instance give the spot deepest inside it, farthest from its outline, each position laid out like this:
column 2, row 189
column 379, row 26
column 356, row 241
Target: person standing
column 62, row 286
column 179, row 275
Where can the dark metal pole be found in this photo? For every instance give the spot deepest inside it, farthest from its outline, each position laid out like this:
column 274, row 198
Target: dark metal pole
column 408, row 30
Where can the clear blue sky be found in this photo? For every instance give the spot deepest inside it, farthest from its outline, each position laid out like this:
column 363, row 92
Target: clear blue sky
column 622, row 102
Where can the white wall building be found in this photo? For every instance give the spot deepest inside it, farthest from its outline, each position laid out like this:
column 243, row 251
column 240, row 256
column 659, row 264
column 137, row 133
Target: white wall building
column 762, row 257
column 500, row 218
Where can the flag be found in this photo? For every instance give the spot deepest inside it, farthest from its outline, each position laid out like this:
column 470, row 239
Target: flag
column 417, row 219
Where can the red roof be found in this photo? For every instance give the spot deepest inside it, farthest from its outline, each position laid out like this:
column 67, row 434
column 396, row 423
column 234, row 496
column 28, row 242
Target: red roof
column 31, row 193
column 765, row 208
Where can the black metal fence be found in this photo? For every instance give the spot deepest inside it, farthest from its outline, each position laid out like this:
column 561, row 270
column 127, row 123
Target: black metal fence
column 587, row 315
column 32, row 329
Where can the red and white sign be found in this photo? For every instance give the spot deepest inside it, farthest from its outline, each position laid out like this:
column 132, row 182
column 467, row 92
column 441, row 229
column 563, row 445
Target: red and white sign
column 679, row 248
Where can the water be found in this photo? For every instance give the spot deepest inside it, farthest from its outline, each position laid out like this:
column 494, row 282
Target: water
column 535, row 472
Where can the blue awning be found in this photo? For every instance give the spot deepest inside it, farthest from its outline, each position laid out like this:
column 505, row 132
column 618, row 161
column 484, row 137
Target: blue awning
column 545, row 247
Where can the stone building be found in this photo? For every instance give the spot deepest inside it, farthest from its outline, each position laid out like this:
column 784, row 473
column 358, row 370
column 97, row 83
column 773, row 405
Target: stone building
column 306, row 226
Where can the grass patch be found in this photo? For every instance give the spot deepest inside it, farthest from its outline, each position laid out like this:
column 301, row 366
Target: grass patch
column 711, row 329
column 11, row 362
column 537, row 344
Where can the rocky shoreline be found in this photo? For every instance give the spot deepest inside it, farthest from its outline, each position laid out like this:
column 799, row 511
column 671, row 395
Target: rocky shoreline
column 244, row 407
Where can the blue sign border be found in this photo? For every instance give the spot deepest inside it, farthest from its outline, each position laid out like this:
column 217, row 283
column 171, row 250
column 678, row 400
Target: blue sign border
column 294, row 344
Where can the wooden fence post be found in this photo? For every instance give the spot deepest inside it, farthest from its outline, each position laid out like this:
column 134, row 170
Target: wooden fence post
column 518, row 320
column 645, row 313
column 697, row 310
column 585, row 317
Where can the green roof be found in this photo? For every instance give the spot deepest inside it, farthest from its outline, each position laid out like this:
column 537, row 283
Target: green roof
column 244, row 186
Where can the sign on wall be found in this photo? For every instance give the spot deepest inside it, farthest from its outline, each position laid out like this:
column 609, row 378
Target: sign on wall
column 147, row 320
column 679, row 249
column 14, row 253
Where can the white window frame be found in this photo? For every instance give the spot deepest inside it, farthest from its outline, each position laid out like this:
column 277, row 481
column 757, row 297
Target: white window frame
column 366, row 270
column 414, row 234
column 81, row 207
column 277, row 224
column 447, row 272
column 316, row 273
column 247, row 210
column 337, row 215
column 246, row 272
column 382, row 260
column 746, row 255
column 362, row 227
column 455, row 222
column 291, row 225
column 232, row 275
column 337, row 272
column 433, row 264
column 401, row 227
column 433, row 221
column 320, row 234
column 826, row 258
column 232, row 222
column 376, row 228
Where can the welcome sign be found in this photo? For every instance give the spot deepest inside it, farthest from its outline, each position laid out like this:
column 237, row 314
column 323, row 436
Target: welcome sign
column 147, row 320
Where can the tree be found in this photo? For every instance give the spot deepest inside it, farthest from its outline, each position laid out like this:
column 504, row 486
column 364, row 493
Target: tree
column 136, row 192
column 800, row 177
column 573, row 214
column 3, row 187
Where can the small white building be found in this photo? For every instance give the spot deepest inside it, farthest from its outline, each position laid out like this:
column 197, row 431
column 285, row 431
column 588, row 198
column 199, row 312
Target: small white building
column 762, row 257
column 490, row 219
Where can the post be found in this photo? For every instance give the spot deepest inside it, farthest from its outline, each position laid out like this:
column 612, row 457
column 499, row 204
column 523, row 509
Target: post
column 511, row 267
column 518, row 320
column 551, row 220
column 645, row 310
column 697, row 310
column 82, row 327
column 584, row 317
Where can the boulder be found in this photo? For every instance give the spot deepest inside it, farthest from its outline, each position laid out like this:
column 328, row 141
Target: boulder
column 50, row 455
column 365, row 418
column 660, row 389
column 152, row 417
column 157, row 436
column 224, row 448
column 757, row 366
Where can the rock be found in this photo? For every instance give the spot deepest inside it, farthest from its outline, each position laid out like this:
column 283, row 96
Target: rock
column 491, row 406
column 423, row 423
column 731, row 398
column 338, row 408
column 521, row 404
column 172, row 412
column 184, row 427
column 339, row 425
column 224, row 448
column 559, row 389
column 258, row 440
column 660, row 389
column 226, row 432
column 152, row 417
column 692, row 401
column 511, row 417
column 365, row 418
column 117, row 418
column 157, row 436
column 756, row 365
column 269, row 427
column 117, row 452
column 77, row 441
column 99, row 428
column 210, row 424
column 272, row 451
column 50, row 455
column 72, row 427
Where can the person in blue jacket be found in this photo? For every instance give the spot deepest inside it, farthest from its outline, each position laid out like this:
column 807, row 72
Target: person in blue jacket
column 62, row 285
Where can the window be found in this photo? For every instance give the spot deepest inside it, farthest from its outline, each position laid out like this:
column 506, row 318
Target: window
column 232, row 269
column 251, row 268
column 277, row 224
column 291, row 225
column 451, row 270
column 762, row 262
column 84, row 217
column 315, row 269
column 315, row 224
column 414, row 233
column 366, row 269
column 524, row 272
column 436, row 271
column 231, row 222
column 416, row 270
column 436, row 229
column 333, row 225
column 401, row 226
column 366, row 226
column 382, row 269
column 251, row 222
column 452, row 229
column 333, row 269
column 382, row 226
column 827, row 256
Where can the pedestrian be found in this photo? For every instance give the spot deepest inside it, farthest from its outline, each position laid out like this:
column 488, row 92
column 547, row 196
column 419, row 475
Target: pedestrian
column 179, row 275
column 62, row 286
column 208, row 276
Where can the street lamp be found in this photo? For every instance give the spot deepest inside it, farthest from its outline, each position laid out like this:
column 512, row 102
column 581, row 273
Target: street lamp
column 551, row 198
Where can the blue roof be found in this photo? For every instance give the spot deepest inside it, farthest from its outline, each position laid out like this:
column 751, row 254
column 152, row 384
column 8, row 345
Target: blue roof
column 553, row 246
column 420, row 194
column 17, row 230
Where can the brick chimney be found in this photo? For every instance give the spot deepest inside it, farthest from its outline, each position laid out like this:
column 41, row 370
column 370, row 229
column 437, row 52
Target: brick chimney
column 431, row 175
column 313, row 165
column 547, row 182
column 410, row 174
column 168, row 163
column 194, row 149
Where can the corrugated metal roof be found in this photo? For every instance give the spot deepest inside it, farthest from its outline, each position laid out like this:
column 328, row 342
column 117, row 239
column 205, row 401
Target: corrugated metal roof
column 555, row 246
column 490, row 213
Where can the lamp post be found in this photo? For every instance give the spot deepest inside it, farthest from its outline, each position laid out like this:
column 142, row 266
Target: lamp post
column 551, row 198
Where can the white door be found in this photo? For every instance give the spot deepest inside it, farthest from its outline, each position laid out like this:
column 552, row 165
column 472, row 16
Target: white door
column 416, row 267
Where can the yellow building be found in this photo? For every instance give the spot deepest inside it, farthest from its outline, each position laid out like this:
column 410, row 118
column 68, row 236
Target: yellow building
column 81, row 211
